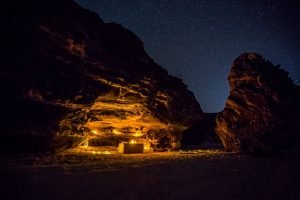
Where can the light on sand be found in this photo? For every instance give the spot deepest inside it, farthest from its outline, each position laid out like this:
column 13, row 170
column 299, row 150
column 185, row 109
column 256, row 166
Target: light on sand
column 101, row 152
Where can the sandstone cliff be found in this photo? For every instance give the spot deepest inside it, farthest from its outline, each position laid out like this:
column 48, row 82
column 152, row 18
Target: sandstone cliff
column 262, row 113
column 70, row 74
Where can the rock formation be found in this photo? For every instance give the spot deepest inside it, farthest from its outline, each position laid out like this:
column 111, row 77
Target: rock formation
column 262, row 113
column 69, row 73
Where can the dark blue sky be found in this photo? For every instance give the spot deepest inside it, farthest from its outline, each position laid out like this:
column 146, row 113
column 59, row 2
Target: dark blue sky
column 198, row 40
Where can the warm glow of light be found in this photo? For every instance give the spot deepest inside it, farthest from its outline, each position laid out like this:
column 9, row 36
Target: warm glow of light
column 138, row 134
column 147, row 146
column 132, row 141
column 137, row 120
column 116, row 132
column 86, row 143
column 100, row 152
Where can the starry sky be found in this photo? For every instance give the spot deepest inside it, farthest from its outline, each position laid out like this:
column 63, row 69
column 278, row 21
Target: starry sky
column 197, row 40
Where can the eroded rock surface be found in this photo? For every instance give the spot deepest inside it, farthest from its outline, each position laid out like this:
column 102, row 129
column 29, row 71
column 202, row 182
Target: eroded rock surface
column 262, row 113
column 93, row 78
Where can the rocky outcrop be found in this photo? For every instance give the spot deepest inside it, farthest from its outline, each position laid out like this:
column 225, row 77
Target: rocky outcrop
column 91, row 77
column 262, row 113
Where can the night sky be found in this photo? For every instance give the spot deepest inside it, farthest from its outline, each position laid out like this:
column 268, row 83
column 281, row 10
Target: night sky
column 197, row 40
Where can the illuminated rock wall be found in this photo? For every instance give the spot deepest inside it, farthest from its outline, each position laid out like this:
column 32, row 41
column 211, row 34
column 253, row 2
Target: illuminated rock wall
column 97, row 74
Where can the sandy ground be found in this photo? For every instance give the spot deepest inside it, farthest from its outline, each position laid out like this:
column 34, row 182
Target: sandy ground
column 169, row 175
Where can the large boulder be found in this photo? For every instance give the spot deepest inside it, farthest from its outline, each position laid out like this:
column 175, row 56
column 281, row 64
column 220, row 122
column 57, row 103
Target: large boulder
column 68, row 74
column 262, row 112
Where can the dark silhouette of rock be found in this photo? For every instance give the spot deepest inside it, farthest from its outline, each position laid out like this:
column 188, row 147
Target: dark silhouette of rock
column 262, row 113
column 68, row 73
column 202, row 134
